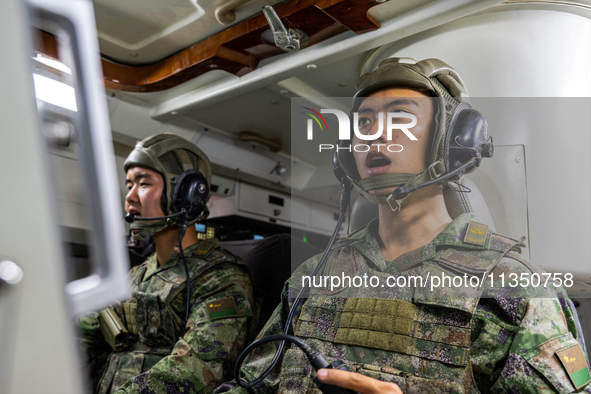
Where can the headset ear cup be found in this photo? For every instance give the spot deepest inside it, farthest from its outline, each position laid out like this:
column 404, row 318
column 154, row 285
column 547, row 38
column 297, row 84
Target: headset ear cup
column 190, row 193
column 467, row 134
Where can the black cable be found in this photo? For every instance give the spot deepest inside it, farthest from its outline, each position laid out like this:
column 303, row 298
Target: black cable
column 344, row 203
column 313, row 356
column 182, row 230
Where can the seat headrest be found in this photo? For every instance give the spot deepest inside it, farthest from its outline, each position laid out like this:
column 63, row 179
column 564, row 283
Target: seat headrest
column 364, row 211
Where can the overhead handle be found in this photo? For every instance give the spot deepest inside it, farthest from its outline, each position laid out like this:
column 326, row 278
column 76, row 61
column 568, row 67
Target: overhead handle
column 287, row 40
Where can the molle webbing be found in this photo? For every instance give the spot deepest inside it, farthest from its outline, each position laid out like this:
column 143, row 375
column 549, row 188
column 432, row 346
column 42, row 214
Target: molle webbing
column 129, row 312
column 431, row 333
column 385, row 180
column 376, row 323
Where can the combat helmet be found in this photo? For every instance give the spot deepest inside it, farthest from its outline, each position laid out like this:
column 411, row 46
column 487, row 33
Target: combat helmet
column 170, row 155
column 449, row 149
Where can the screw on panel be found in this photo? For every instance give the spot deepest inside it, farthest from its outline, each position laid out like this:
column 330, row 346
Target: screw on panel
column 519, row 159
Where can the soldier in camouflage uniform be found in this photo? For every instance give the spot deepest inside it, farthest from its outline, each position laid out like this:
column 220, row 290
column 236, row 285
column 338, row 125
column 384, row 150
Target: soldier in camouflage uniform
column 164, row 353
column 411, row 338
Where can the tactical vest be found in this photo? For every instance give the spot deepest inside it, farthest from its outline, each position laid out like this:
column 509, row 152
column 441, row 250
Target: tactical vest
column 154, row 317
column 415, row 338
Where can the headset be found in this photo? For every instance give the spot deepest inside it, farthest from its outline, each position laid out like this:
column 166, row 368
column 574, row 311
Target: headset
column 466, row 144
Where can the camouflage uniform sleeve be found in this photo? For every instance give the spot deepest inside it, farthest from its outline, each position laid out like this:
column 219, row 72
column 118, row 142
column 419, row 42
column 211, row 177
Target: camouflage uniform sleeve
column 93, row 347
column 544, row 355
column 204, row 357
column 260, row 359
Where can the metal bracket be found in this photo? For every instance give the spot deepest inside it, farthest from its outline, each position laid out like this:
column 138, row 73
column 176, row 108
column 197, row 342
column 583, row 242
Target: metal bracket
column 288, row 40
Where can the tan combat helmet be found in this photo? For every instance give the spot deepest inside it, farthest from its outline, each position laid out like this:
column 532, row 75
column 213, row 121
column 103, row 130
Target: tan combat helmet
column 169, row 155
column 433, row 76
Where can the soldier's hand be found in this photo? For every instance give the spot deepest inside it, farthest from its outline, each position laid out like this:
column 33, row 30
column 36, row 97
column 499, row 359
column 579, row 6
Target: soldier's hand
column 357, row 382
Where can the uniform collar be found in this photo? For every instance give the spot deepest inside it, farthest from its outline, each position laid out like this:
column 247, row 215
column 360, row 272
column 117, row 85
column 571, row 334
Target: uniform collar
column 153, row 268
column 366, row 242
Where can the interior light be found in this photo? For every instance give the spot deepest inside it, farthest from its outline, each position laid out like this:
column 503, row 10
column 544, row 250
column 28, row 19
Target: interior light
column 55, row 92
column 56, row 65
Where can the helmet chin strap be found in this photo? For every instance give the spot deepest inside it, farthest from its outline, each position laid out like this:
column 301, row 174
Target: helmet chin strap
column 146, row 227
column 404, row 180
column 150, row 228
column 378, row 182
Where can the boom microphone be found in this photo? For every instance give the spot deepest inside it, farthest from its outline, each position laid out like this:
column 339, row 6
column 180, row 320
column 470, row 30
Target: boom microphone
column 129, row 218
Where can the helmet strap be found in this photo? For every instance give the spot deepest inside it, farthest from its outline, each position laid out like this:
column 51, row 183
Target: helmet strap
column 150, row 228
column 401, row 179
column 385, row 180
column 378, row 182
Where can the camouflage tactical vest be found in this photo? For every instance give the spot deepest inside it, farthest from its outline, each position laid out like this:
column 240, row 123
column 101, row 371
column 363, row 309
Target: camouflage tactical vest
column 154, row 316
column 415, row 338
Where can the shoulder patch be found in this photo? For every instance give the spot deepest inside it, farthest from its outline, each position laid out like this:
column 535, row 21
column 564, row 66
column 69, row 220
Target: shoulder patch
column 574, row 362
column 476, row 234
column 225, row 307
column 205, row 247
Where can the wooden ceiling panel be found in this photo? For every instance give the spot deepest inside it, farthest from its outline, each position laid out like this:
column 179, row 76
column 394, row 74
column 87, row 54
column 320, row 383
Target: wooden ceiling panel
column 237, row 49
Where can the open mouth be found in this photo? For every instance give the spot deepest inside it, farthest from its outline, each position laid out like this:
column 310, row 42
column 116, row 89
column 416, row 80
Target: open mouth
column 134, row 213
column 378, row 162
column 375, row 160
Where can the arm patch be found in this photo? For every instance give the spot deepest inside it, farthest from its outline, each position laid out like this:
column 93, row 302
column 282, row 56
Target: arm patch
column 573, row 360
column 222, row 308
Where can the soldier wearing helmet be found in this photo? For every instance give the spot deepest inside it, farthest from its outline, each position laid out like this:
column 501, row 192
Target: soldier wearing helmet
column 406, row 336
column 155, row 348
